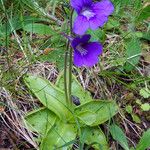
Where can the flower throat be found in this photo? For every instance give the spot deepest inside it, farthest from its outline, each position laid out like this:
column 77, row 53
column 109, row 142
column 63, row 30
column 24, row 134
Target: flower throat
column 82, row 50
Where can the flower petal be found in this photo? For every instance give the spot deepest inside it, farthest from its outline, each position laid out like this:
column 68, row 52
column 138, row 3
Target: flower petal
column 87, row 3
column 97, row 21
column 78, row 59
column 79, row 4
column 85, row 38
column 76, row 4
column 81, row 24
column 105, row 7
column 91, row 62
column 102, row 10
column 75, row 42
column 94, row 50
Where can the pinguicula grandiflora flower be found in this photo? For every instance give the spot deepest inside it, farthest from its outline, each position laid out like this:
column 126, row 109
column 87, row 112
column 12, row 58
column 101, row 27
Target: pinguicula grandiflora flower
column 91, row 14
column 86, row 53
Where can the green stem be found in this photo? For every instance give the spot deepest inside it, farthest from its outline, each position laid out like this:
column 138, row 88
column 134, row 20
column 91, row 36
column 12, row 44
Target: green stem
column 70, row 63
column 68, row 85
column 65, row 73
column 70, row 75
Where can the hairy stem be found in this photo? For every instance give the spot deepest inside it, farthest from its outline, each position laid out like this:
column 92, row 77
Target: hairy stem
column 70, row 62
column 65, row 73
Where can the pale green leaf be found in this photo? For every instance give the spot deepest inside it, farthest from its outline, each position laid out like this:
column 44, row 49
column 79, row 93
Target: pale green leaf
column 49, row 95
column 103, row 110
column 87, row 117
column 129, row 109
column 40, row 120
column 94, row 137
column 136, row 118
column 133, row 53
column 138, row 102
column 98, row 35
column 38, row 28
column 144, row 141
column 60, row 134
column 17, row 23
column 145, row 107
column 112, row 23
column 119, row 136
column 145, row 92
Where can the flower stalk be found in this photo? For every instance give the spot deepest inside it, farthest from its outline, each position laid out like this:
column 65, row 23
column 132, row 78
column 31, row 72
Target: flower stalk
column 70, row 62
column 65, row 73
column 68, row 83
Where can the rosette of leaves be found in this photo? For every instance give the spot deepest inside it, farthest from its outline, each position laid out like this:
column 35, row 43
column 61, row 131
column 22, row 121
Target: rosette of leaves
column 58, row 126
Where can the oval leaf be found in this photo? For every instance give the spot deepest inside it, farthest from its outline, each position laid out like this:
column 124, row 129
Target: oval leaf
column 60, row 134
column 38, row 29
column 87, row 117
column 133, row 54
column 119, row 136
column 103, row 111
column 94, row 137
column 49, row 95
column 144, row 141
column 40, row 120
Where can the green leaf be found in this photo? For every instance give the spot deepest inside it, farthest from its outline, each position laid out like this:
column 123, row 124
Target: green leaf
column 133, row 53
column 138, row 102
column 40, row 120
column 145, row 92
column 94, row 137
column 143, row 35
column 129, row 109
column 97, row 35
column 103, row 111
column 17, row 23
column 144, row 141
column 119, row 136
column 49, row 95
column 87, row 117
column 144, row 13
column 38, row 29
column 136, row 118
column 60, row 134
column 112, row 24
column 145, row 107
column 146, row 35
column 77, row 89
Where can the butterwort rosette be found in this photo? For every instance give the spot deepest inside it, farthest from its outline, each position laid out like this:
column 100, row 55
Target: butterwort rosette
column 90, row 14
column 86, row 53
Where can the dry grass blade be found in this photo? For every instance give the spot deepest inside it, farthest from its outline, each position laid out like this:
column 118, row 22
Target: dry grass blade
column 13, row 119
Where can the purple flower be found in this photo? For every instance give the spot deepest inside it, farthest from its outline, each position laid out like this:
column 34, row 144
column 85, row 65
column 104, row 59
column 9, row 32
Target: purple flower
column 91, row 15
column 86, row 53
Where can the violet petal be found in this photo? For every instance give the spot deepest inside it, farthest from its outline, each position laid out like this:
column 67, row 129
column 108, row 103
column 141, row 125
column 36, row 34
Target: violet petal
column 81, row 24
column 94, row 49
column 79, row 4
column 97, row 22
column 75, row 42
column 78, row 59
column 85, row 38
column 104, row 7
